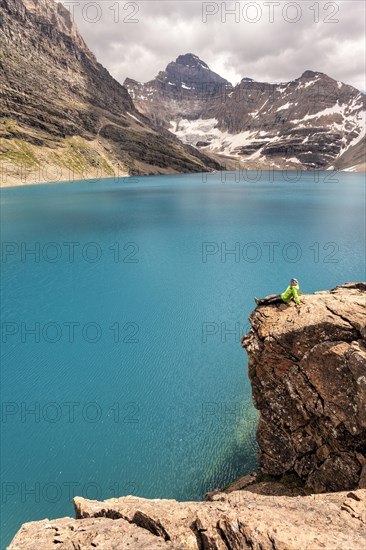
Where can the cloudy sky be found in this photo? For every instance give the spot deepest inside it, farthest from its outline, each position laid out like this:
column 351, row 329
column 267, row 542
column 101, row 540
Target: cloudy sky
column 272, row 41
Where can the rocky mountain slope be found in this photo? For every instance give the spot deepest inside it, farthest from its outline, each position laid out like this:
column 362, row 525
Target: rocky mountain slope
column 308, row 123
column 63, row 115
column 308, row 373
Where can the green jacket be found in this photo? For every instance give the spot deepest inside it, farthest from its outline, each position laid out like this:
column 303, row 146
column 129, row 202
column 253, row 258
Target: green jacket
column 291, row 292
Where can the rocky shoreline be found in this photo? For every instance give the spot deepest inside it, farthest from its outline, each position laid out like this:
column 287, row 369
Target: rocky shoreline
column 307, row 368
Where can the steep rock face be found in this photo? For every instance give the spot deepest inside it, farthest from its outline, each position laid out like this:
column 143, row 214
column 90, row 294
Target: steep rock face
column 307, row 367
column 233, row 521
column 307, row 123
column 61, row 111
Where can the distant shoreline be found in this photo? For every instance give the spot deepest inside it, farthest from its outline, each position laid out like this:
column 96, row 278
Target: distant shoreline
column 361, row 168
column 15, row 183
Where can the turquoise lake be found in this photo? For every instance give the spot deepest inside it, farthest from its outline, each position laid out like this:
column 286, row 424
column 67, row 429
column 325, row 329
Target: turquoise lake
column 123, row 305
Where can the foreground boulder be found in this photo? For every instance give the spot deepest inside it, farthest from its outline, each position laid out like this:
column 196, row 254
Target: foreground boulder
column 307, row 367
column 236, row 521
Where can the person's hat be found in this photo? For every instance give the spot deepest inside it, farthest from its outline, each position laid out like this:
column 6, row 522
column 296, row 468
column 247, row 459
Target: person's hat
column 294, row 281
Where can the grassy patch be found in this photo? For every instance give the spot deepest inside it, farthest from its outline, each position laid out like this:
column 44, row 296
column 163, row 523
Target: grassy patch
column 18, row 152
column 80, row 157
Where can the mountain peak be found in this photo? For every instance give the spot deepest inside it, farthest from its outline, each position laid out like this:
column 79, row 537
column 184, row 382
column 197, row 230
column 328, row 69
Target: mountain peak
column 310, row 74
column 190, row 71
column 190, row 60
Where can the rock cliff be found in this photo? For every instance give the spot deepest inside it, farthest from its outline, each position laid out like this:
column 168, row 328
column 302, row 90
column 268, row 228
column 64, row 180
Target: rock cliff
column 308, row 372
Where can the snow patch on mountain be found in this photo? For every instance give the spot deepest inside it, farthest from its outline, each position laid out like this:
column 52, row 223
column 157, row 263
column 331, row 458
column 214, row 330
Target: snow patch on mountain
column 133, row 116
column 284, row 107
column 208, row 135
column 206, row 131
column 311, row 83
column 349, row 114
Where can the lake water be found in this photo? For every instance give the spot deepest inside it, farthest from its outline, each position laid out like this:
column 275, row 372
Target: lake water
column 122, row 310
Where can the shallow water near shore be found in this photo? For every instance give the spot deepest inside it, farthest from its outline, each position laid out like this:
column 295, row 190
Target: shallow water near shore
column 123, row 305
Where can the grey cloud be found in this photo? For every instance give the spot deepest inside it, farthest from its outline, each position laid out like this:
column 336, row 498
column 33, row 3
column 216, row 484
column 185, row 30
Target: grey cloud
column 277, row 51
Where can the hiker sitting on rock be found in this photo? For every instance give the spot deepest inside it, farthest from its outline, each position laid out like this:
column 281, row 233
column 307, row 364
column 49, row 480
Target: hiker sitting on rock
column 291, row 293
